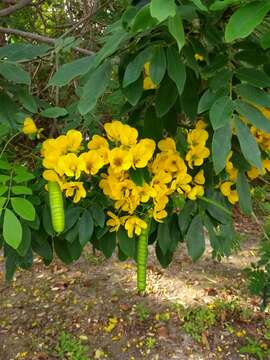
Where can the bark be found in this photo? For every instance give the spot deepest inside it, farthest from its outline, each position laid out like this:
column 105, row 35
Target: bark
column 39, row 38
column 11, row 9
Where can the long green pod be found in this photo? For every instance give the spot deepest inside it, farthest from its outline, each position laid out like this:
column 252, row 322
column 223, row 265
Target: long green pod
column 56, row 206
column 142, row 255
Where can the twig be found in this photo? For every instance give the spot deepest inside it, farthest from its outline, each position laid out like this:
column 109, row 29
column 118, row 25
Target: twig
column 11, row 9
column 8, row 1
column 9, row 141
column 260, row 225
column 40, row 38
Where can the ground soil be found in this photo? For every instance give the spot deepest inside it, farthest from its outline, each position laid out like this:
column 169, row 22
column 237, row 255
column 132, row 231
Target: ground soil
column 82, row 298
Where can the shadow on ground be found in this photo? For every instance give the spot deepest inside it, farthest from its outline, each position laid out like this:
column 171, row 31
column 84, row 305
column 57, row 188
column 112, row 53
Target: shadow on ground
column 95, row 300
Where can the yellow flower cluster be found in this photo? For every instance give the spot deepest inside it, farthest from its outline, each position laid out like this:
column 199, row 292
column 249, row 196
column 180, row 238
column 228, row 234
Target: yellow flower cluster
column 63, row 164
column 170, row 174
column 168, row 170
column 262, row 138
column 197, row 150
column 231, row 194
column 148, row 83
column 253, row 173
column 132, row 223
column 121, row 153
column 228, row 187
column 127, row 153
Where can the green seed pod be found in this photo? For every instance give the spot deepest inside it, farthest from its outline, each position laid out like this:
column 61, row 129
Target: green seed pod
column 56, row 207
column 142, row 254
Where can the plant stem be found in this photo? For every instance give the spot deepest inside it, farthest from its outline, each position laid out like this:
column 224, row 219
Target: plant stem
column 7, row 143
column 216, row 204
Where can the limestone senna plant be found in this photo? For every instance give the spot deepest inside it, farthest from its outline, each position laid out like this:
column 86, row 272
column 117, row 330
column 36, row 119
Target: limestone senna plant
column 146, row 183
column 138, row 180
column 192, row 78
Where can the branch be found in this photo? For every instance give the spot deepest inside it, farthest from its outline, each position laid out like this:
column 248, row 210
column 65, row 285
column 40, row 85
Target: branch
column 9, row 1
column 11, row 9
column 39, row 38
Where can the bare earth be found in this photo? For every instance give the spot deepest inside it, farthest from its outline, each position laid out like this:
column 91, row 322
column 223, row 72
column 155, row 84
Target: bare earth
column 82, row 298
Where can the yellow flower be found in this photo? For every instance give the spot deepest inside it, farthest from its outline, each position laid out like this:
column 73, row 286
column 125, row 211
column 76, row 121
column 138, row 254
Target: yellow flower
column 101, row 145
column 198, row 57
column 196, row 192
column 230, row 169
column 74, row 140
column 199, row 178
column 51, row 175
column 93, row 162
column 98, row 142
column 175, row 164
column 128, row 135
column 233, row 173
column 52, row 147
column 104, row 154
column 29, row 126
column 125, row 188
column 51, row 150
column 120, row 159
column 109, row 187
column 253, row 173
column 128, row 203
column 148, row 84
column 119, row 132
column 197, row 137
column 159, row 161
column 196, row 155
column 113, row 183
column 160, row 202
column 265, row 112
column 226, row 190
column 167, row 144
column 70, row 165
column 111, row 325
column 266, row 164
column 115, row 222
column 181, row 183
column 145, row 192
column 142, row 152
column 159, row 215
column 125, row 194
column 262, row 138
column 258, row 134
column 134, row 224
column 161, row 178
column 241, row 333
column 75, row 189
column 201, row 124
column 50, row 162
column 113, row 130
column 147, row 69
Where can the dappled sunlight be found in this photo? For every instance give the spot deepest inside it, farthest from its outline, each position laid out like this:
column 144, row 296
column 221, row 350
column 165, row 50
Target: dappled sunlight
column 96, row 300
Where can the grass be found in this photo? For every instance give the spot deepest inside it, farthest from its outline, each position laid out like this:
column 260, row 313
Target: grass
column 69, row 348
column 142, row 311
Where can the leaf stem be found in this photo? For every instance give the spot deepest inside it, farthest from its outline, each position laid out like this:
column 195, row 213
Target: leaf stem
column 216, row 204
column 8, row 142
column 9, row 189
